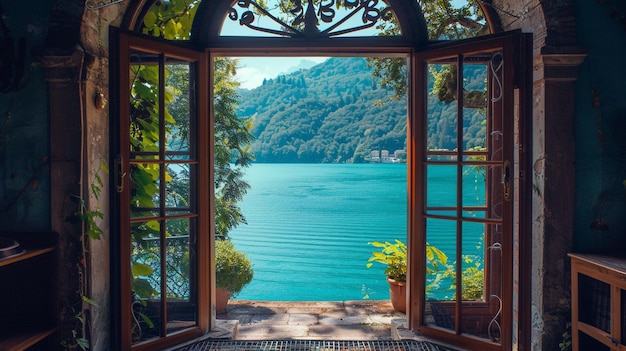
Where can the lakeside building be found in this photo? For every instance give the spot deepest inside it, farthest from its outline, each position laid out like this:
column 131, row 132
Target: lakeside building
column 383, row 156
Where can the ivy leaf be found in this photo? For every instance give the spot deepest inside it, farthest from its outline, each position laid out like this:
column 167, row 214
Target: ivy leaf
column 83, row 343
column 154, row 225
column 142, row 288
column 140, row 269
column 150, row 19
column 90, row 301
column 170, row 30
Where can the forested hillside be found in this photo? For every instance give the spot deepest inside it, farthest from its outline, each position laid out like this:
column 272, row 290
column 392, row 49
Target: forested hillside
column 333, row 112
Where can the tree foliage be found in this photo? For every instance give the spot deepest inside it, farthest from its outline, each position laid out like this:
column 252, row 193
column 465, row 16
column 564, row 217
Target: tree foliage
column 231, row 148
column 329, row 114
column 444, row 22
column 172, row 20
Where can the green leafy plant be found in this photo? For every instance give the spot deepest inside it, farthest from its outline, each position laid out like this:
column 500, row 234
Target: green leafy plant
column 233, row 269
column 88, row 216
column 566, row 343
column 393, row 255
column 473, row 280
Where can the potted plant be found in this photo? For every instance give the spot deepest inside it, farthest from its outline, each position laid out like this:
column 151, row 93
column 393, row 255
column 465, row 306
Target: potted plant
column 233, row 271
column 394, row 256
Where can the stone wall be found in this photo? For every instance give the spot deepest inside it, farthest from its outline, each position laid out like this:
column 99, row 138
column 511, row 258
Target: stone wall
column 75, row 56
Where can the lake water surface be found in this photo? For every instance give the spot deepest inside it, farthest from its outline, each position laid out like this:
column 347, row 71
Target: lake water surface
column 309, row 226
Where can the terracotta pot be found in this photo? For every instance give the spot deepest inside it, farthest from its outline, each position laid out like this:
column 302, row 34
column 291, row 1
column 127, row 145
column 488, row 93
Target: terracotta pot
column 221, row 299
column 397, row 294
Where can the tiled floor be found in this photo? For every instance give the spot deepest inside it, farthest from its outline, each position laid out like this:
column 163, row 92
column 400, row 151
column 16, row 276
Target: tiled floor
column 349, row 320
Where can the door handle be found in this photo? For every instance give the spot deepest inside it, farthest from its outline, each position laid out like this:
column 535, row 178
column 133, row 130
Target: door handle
column 506, row 180
column 119, row 174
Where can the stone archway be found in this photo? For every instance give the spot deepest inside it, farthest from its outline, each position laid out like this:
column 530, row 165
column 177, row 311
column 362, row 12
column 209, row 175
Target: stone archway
column 72, row 74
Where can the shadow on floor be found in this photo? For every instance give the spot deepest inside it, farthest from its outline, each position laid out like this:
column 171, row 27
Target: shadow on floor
column 347, row 320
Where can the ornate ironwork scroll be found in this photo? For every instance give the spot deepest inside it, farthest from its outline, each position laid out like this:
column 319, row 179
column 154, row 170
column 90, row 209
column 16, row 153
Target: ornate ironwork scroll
column 303, row 18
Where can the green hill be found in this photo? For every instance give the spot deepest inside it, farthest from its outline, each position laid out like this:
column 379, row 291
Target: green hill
column 331, row 112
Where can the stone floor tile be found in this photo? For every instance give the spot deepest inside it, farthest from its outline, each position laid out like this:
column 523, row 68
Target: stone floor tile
column 270, row 319
column 346, row 320
column 303, row 319
column 350, row 320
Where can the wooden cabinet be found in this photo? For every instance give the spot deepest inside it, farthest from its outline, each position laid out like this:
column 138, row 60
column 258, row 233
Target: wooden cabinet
column 598, row 303
column 28, row 293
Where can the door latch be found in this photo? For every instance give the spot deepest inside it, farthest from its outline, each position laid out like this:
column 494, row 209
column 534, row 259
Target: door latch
column 506, row 180
column 119, row 174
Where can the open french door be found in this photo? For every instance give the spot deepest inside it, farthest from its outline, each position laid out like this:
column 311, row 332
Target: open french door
column 467, row 126
column 163, row 194
column 468, row 240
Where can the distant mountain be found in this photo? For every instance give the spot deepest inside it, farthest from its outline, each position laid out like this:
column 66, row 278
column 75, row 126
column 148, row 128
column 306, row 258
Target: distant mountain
column 303, row 64
column 334, row 112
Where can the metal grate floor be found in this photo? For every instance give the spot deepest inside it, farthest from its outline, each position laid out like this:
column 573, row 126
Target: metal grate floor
column 313, row 345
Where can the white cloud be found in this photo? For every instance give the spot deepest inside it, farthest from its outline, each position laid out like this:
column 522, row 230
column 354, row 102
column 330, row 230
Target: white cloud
column 252, row 70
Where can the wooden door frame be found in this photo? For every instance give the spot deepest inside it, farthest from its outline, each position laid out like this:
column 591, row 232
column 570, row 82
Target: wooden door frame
column 518, row 81
column 120, row 249
column 416, row 151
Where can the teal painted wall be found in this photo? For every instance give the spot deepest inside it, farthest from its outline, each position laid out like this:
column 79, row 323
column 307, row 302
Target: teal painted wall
column 24, row 127
column 600, row 222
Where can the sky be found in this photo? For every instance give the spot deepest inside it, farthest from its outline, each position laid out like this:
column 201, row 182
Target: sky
column 252, row 70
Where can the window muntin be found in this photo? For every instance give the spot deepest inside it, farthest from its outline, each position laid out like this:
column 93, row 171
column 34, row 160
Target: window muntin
column 163, row 210
column 465, row 142
column 299, row 47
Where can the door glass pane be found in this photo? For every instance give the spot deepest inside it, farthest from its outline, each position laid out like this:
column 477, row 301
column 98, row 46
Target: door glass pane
column 145, row 195
column 163, row 172
column 475, row 315
column 473, row 262
column 179, row 100
column 181, row 306
column 441, row 194
column 465, row 146
column 145, row 111
column 494, row 297
column 145, row 266
column 441, row 124
column 474, row 190
column 440, row 273
column 474, row 103
column 179, row 189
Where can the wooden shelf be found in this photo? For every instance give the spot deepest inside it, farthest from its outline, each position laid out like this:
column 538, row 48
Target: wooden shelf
column 28, row 299
column 26, row 255
column 598, row 288
column 19, row 342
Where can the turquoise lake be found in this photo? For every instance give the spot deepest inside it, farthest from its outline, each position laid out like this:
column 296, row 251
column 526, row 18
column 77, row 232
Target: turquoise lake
column 309, row 226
